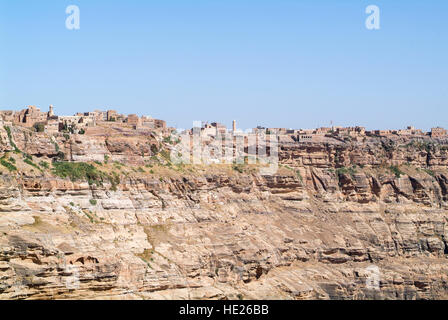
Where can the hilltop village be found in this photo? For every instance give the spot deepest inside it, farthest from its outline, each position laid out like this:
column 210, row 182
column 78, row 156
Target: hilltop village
column 324, row 133
column 92, row 122
column 80, row 123
column 97, row 199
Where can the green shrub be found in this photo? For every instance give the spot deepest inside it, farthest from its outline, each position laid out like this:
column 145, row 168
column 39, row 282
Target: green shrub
column 77, row 171
column 166, row 155
column 348, row 171
column 114, row 179
column 39, row 127
column 8, row 165
column 154, row 149
column 238, row 167
column 395, row 170
column 93, row 202
column 44, row 164
column 430, row 172
column 299, row 175
column 60, row 156
column 90, row 217
column 8, row 131
column 168, row 140
column 31, row 163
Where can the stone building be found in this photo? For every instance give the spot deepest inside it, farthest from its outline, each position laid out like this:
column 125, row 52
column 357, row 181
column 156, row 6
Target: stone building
column 278, row 131
column 99, row 115
column 50, row 112
column 409, row 131
column 160, row 124
column 134, row 120
column 220, row 128
column 349, row 131
column 30, row 116
column 383, row 133
column 52, row 126
column 7, row 116
column 438, row 132
column 323, row 130
column 149, row 122
column 112, row 115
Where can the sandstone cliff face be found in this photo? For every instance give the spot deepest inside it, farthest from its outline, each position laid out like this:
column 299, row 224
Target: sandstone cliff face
column 336, row 222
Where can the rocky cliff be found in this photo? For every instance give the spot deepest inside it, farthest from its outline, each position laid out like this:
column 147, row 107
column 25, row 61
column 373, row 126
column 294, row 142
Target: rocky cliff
column 339, row 220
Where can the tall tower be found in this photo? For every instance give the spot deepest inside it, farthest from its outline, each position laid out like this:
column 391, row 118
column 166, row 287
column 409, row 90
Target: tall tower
column 234, row 125
column 51, row 112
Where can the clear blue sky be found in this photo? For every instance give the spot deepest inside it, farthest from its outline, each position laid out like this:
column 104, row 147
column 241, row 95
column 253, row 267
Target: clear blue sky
column 277, row 63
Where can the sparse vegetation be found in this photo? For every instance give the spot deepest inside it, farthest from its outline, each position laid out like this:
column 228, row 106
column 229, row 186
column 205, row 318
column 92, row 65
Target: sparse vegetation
column 346, row 171
column 430, row 172
column 421, row 146
column 77, row 171
column 168, row 140
column 39, row 127
column 8, row 131
column 44, row 164
column 8, row 165
column 165, row 155
column 154, row 149
column 395, row 170
column 89, row 216
column 388, row 146
column 60, row 156
column 146, row 256
column 299, row 175
column 114, row 179
column 118, row 165
column 238, row 167
column 31, row 163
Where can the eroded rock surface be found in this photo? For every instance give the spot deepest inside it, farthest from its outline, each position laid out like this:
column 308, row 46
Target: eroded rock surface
column 318, row 229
